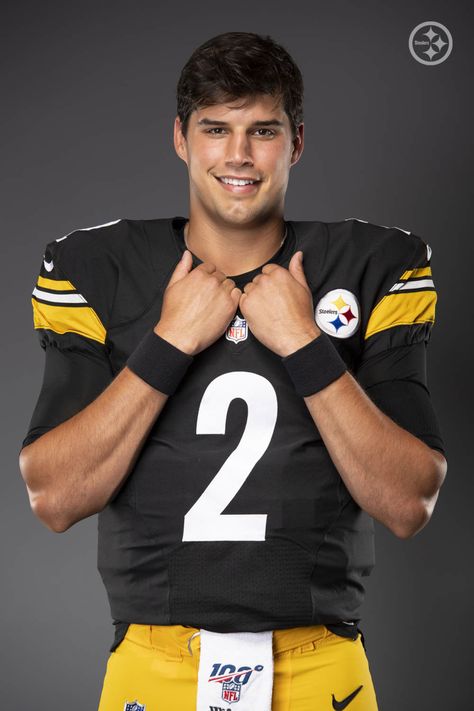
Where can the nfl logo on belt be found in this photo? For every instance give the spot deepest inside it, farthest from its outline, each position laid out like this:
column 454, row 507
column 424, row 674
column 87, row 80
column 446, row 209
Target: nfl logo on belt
column 238, row 330
column 231, row 691
column 134, row 706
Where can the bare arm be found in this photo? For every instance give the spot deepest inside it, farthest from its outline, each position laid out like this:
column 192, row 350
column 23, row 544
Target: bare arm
column 73, row 470
column 392, row 474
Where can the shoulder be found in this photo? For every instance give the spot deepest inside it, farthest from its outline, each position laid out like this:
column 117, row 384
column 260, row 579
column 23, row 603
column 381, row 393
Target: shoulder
column 368, row 256
column 112, row 264
column 396, row 289
column 85, row 245
column 391, row 245
column 360, row 240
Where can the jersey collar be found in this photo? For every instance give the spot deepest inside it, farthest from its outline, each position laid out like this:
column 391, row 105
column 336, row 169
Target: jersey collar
column 282, row 256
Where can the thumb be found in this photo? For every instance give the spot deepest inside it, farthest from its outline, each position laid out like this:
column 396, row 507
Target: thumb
column 296, row 270
column 182, row 268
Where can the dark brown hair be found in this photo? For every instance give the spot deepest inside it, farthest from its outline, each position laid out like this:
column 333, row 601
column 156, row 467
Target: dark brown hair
column 238, row 65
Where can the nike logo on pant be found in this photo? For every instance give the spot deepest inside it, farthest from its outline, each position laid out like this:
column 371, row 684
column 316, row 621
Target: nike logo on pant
column 340, row 705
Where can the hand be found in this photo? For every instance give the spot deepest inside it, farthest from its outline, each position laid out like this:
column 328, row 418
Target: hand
column 278, row 307
column 198, row 305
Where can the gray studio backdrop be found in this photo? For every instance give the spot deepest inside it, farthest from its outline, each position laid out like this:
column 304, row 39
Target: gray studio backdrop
column 88, row 103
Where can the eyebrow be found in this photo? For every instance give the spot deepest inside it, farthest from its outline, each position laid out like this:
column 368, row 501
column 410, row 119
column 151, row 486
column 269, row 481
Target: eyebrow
column 212, row 122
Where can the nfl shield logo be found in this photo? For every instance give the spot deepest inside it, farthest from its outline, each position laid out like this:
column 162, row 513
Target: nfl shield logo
column 230, row 691
column 238, row 330
column 134, row 706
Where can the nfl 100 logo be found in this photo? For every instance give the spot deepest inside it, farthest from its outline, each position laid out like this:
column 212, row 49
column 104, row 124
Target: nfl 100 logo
column 231, row 691
column 238, row 330
column 232, row 680
column 133, row 706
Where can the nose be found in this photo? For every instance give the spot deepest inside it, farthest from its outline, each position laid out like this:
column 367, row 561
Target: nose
column 239, row 150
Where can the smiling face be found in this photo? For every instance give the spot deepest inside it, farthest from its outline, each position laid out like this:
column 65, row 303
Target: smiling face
column 226, row 143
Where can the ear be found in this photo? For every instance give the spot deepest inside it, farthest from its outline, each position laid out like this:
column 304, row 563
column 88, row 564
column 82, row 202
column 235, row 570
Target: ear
column 298, row 145
column 180, row 143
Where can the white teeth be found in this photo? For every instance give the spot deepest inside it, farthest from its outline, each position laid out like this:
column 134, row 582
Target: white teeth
column 231, row 181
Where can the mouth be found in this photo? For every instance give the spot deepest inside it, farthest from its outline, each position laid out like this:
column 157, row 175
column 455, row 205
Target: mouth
column 239, row 186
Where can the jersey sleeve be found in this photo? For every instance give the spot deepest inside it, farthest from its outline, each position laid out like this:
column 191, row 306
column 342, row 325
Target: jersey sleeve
column 72, row 332
column 401, row 294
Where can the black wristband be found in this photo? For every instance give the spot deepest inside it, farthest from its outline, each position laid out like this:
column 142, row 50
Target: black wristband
column 314, row 366
column 159, row 363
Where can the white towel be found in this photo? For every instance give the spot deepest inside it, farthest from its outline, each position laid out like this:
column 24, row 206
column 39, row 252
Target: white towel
column 235, row 671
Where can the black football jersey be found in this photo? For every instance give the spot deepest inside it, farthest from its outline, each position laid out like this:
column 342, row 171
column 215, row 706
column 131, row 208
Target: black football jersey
column 234, row 517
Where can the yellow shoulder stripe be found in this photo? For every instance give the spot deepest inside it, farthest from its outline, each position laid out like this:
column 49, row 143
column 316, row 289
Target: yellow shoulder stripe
column 69, row 319
column 402, row 309
column 65, row 314
column 55, row 284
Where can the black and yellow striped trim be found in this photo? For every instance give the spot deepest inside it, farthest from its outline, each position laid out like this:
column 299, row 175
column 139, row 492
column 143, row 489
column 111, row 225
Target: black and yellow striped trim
column 59, row 307
column 412, row 300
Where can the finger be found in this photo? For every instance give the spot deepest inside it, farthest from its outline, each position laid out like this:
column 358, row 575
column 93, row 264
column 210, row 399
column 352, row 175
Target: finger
column 182, row 268
column 219, row 275
column 236, row 295
column 207, row 267
column 269, row 268
column 228, row 284
column 248, row 287
column 296, row 270
column 212, row 270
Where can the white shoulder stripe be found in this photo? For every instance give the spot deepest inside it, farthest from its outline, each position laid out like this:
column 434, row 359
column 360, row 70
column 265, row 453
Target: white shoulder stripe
column 418, row 284
column 392, row 227
column 58, row 298
column 94, row 227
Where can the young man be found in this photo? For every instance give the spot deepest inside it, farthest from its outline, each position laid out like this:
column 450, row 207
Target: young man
column 236, row 395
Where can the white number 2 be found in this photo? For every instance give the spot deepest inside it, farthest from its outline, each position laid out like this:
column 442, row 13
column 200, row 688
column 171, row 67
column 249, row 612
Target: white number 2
column 205, row 521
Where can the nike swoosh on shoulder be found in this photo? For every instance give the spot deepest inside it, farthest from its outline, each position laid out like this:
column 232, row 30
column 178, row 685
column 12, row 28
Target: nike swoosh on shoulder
column 340, row 705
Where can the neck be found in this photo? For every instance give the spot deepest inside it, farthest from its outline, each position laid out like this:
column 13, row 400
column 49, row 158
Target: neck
column 234, row 250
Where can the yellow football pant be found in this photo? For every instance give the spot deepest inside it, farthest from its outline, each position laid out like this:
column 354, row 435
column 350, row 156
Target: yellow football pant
column 314, row 670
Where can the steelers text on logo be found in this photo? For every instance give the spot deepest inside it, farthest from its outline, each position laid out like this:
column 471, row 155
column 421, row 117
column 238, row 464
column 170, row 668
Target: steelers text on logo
column 338, row 313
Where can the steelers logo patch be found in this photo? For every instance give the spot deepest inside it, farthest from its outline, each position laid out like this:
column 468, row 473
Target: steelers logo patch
column 338, row 313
